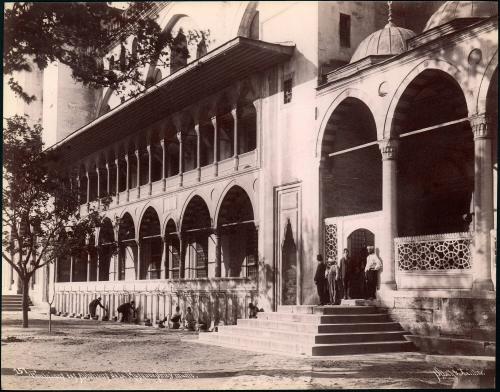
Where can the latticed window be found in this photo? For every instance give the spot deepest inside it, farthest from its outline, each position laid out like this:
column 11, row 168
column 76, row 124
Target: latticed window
column 175, row 262
column 201, row 261
column 252, row 254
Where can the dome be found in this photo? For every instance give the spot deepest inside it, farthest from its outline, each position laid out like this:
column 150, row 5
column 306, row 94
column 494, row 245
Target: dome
column 461, row 9
column 390, row 40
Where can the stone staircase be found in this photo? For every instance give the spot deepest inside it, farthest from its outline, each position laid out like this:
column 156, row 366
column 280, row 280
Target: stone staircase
column 13, row 302
column 315, row 331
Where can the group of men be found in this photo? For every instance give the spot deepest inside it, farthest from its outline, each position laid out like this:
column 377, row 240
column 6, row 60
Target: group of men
column 128, row 309
column 347, row 279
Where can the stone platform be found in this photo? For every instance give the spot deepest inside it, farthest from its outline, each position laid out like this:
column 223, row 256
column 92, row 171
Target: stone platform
column 315, row 331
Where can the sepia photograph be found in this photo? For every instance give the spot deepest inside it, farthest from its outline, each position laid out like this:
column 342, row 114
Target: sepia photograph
column 243, row 195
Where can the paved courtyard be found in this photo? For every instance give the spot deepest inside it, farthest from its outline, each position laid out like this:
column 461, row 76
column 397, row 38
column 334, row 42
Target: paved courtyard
column 84, row 354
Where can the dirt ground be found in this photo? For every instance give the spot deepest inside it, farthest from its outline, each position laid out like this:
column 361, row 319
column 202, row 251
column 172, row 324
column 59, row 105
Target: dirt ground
column 87, row 354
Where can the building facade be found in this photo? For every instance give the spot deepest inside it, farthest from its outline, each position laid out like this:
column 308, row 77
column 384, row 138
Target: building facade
column 267, row 143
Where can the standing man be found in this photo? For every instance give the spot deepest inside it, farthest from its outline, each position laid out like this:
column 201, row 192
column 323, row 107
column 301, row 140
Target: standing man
column 93, row 306
column 320, row 280
column 345, row 273
column 373, row 265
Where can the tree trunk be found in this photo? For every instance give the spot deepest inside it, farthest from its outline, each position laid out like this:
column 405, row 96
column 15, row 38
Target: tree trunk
column 26, row 288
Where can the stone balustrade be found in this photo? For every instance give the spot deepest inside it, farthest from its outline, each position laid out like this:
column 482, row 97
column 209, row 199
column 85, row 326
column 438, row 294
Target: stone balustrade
column 221, row 298
column 439, row 261
column 434, row 252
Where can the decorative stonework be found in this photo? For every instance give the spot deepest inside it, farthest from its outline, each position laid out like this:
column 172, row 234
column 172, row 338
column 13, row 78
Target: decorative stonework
column 434, row 252
column 331, row 247
column 479, row 126
column 389, row 148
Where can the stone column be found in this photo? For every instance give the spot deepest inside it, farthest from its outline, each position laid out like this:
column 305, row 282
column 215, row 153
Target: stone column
column 117, row 163
column 138, row 275
column 218, row 253
column 88, row 190
column 164, row 259
column 127, row 183
column 78, row 184
column 216, row 147
column 163, row 162
column 150, row 184
column 198, row 148
column 88, row 266
column 71, row 262
column 181, row 256
column 181, row 161
column 108, row 181
column 138, row 159
column 483, row 204
column 235, row 139
column 388, row 148
column 98, row 262
column 98, row 184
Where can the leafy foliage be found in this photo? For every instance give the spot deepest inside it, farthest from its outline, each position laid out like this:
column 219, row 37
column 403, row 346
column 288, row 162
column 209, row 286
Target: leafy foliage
column 80, row 35
column 40, row 205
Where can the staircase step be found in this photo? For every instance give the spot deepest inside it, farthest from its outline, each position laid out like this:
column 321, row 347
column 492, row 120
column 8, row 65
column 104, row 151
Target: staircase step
column 329, row 309
column 323, row 328
column 312, row 338
column 362, row 348
column 244, row 342
column 324, row 319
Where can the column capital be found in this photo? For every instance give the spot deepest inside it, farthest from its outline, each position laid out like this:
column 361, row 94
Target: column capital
column 234, row 112
column 479, row 125
column 148, row 148
column 197, row 129
column 389, row 148
column 162, row 142
column 137, row 153
column 179, row 136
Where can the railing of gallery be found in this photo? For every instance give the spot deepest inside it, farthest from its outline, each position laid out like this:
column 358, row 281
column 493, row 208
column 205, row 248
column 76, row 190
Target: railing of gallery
column 437, row 252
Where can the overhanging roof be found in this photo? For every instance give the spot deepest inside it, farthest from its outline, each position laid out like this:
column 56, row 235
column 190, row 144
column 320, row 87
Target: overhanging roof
column 218, row 69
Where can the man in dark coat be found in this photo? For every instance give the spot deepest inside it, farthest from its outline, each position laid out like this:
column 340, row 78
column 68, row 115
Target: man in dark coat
column 125, row 310
column 345, row 272
column 320, row 280
column 93, row 306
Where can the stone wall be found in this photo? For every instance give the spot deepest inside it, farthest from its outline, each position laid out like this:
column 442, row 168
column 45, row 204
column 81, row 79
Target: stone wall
column 447, row 318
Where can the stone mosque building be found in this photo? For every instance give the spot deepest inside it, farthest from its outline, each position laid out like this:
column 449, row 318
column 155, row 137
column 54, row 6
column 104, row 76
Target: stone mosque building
column 294, row 129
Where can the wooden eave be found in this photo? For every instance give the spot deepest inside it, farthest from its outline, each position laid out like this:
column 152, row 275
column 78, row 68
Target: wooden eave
column 213, row 72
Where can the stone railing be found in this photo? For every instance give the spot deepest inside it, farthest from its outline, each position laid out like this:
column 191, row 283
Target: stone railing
column 434, row 252
column 219, row 298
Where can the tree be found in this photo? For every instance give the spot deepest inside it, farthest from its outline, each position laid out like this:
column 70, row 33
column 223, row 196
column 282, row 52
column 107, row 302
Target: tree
column 40, row 206
column 80, row 35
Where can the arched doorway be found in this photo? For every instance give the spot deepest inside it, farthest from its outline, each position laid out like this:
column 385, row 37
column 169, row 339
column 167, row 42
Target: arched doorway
column 151, row 246
column 105, row 251
column 238, row 235
column 435, row 176
column 195, row 230
column 357, row 243
column 351, row 168
column 127, row 248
